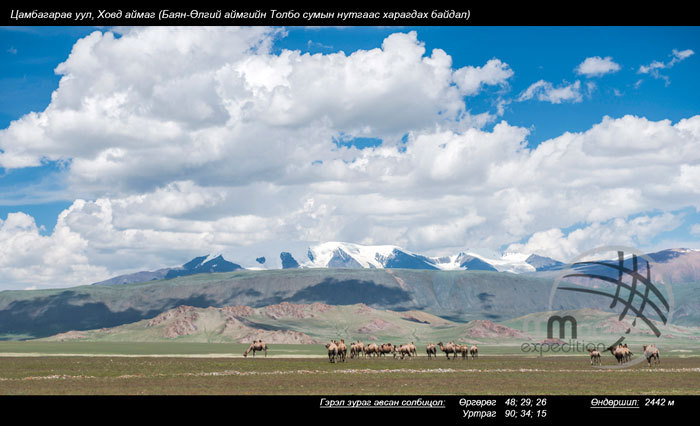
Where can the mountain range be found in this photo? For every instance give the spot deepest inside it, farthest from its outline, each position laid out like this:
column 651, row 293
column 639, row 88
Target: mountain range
column 458, row 288
column 348, row 256
column 683, row 265
column 453, row 295
column 293, row 323
column 199, row 265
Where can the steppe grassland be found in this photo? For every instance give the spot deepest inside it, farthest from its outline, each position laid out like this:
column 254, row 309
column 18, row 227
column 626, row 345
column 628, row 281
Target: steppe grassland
column 200, row 369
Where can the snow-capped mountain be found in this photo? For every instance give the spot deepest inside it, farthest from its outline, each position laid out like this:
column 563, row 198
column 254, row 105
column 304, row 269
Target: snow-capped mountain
column 198, row 265
column 203, row 264
column 678, row 262
column 331, row 255
column 542, row 263
column 350, row 255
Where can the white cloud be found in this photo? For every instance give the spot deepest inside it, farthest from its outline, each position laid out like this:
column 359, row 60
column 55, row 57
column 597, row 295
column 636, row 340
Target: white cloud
column 185, row 110
column 470, row 79
column 695, row 229
column 678, row 56
column 654, row 67
column 448, row 190
column 546, row 92
column 30, row 258
column 186, row 141
column 596, row 66
column 633, row 232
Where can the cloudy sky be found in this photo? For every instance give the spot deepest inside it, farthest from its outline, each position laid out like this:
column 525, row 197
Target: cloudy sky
column 124, row 149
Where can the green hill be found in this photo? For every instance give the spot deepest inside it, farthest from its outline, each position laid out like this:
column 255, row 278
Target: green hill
column 453, row 295
column 289, row 323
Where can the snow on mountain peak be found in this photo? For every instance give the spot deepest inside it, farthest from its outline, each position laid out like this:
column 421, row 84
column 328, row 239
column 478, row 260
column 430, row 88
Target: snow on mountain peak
column 366, row 256
column 339, row 254
column 343, row 254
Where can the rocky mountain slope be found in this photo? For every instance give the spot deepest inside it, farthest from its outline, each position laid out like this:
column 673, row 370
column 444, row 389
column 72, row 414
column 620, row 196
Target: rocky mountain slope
column 451, row 294
column 292, row 323
column 317, row 323
column 457, row 295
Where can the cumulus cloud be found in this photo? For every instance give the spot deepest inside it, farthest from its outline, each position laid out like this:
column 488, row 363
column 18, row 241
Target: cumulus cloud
column 471, row 79
column 30, row 258
column 184, row 141
column 184, row 109
column 596, row 66
column 546, row 92
column 633, row 232
column 444, row 191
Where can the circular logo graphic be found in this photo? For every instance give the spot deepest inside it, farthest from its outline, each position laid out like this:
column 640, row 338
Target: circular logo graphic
column 624, row 285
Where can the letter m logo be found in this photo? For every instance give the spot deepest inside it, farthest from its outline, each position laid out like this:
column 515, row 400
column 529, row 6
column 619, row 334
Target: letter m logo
column 562, row 322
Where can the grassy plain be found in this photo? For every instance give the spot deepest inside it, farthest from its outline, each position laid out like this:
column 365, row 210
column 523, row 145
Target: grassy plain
column 43, row 368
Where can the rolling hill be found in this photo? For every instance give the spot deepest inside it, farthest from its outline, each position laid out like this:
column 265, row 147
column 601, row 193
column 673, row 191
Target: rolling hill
column 291, row 323
column 454, row 295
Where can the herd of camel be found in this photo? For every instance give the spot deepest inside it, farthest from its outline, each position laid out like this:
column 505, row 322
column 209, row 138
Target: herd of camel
column 337, row 350
column 623, row 354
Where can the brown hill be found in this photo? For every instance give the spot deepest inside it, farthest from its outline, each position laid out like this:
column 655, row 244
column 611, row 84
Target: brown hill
column 491, row 330
column 291, row 323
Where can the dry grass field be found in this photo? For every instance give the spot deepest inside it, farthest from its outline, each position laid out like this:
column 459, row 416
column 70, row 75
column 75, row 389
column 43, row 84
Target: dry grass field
column 212, row 374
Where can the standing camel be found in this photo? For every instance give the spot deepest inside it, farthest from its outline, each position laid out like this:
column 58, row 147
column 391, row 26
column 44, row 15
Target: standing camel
column 627, row 352
column 403, row 350
column 412, row 349
column 448, row 349
column 386, row 348
column 357, row 349
column 332, row 351
column 618, row 353
column 474, row 351
column 372, row 349
column 256, row 346
column 431, row 350
column 462, row 350
column 342, row 349
column 651, row 353
column 595, row 356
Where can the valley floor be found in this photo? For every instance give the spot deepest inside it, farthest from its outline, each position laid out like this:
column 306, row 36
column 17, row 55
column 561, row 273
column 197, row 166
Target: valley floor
column 207, row 373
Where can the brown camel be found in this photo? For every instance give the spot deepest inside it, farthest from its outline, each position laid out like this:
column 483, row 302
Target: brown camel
column 474, row 351
column 627, row 352
column 618, row 353
column 360, row 348
column 448, row 349
column 462, row 350
column 256, row 346
column 431, row 350
column 357, row 349
column 412, row 349
column 372, row 349
column 332, row 351
column 595, row 356
column 342, row 349
column 403, row 350
column 651, row 353
column 386, row 348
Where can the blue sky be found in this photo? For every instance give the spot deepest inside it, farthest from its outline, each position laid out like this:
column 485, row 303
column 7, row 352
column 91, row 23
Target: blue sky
column 550, row 53
column 51, row 182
